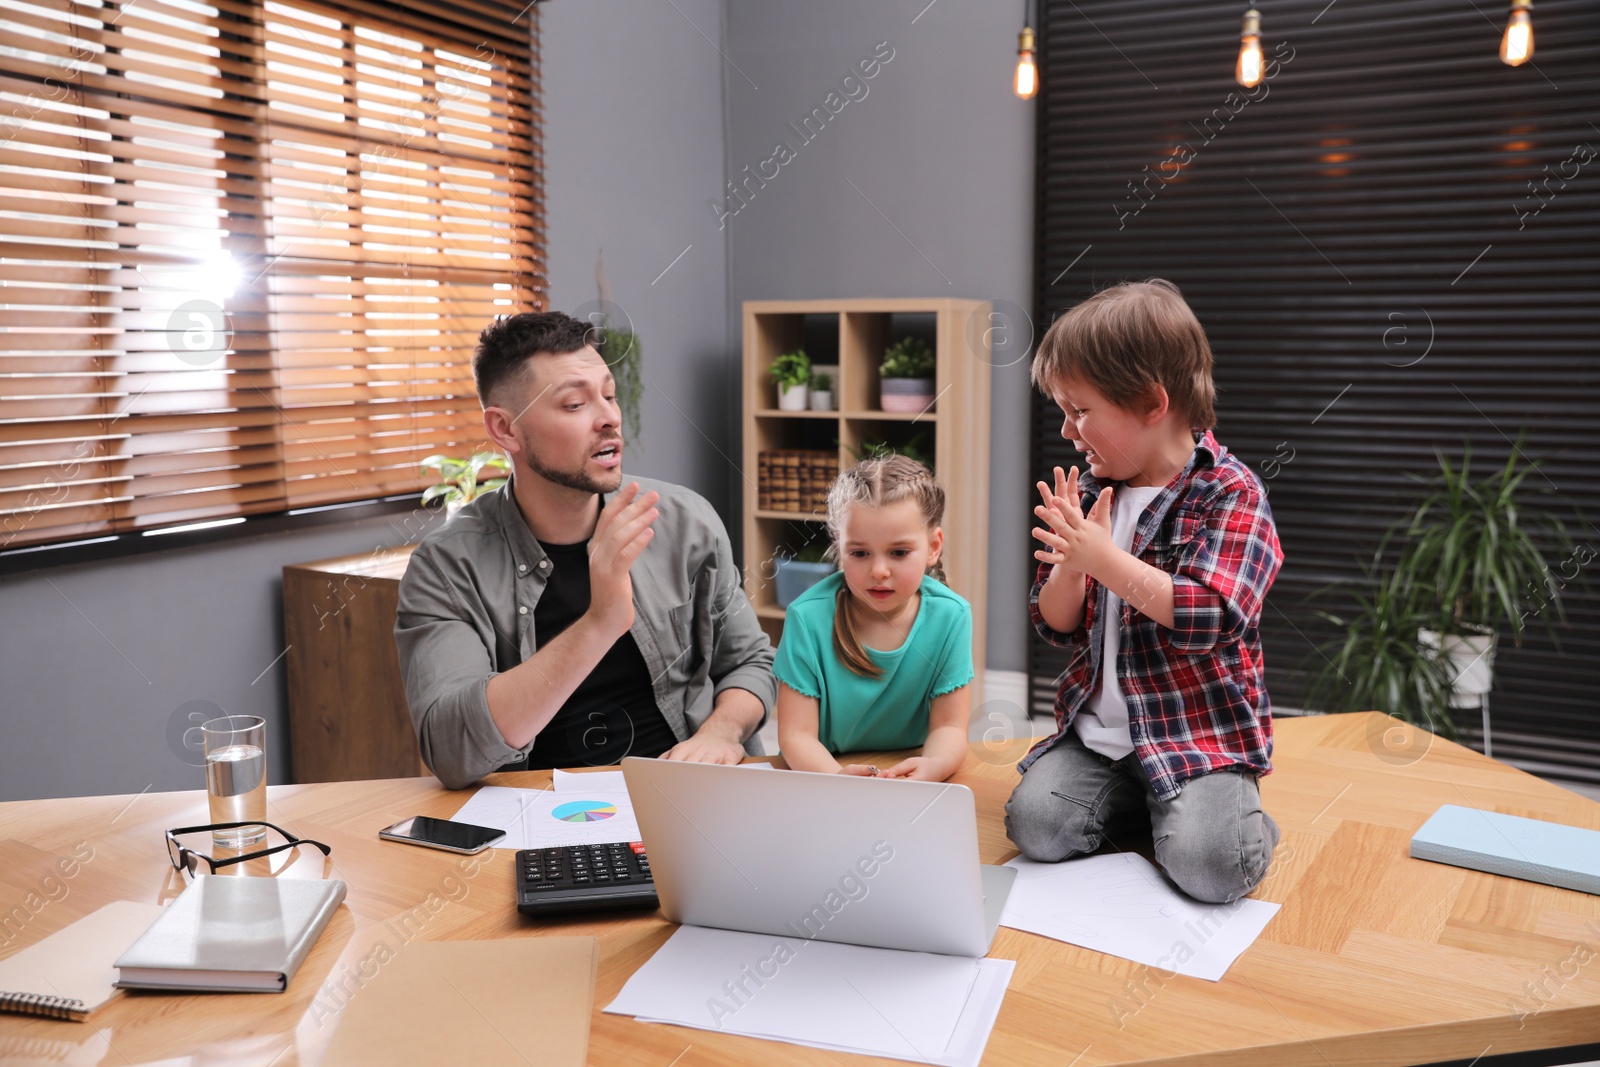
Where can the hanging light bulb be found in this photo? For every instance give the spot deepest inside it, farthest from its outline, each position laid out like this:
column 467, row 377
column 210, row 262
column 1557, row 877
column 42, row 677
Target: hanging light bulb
column 1247, row 72
column 1517, row 45
column 1027, row 80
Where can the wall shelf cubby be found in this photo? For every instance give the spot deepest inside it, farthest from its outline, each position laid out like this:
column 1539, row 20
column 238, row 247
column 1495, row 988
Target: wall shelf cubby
column 952, row 433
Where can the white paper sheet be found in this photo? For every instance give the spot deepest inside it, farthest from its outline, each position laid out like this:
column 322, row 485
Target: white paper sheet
column 540, row 818
column 588, row 781
column 1120, row 904
column 905, row 1005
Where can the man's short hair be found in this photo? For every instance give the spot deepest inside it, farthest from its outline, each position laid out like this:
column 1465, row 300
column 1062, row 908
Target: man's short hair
column 507, row 343
column 1126, row 338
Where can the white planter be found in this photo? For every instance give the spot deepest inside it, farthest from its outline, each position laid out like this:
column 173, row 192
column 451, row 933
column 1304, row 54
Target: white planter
column 905, row 394
column 822, row 400
column 1471, row 658
column 792, row 397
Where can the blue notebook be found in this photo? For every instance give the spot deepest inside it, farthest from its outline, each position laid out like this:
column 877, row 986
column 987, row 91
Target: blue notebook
column 1530, row 849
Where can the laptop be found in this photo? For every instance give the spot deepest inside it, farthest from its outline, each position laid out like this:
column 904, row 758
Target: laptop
column 863, row 861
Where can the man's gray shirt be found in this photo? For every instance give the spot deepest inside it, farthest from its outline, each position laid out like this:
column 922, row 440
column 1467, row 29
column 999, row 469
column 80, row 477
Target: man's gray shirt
column 466, row 614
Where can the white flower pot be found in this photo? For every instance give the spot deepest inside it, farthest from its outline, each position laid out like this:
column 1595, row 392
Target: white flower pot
column 1471, row 658
column 792, row 397
column 822, row 400
column 910, row 395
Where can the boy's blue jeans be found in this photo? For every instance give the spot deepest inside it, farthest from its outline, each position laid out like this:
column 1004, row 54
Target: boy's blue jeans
column 1212, row 839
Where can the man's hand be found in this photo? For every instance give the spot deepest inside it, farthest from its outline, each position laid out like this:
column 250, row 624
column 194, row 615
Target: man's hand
column 703, row 749
column 622, row 532
column 1075, row 542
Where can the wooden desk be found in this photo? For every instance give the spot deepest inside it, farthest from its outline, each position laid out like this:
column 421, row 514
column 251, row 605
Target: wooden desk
column 1375, row 959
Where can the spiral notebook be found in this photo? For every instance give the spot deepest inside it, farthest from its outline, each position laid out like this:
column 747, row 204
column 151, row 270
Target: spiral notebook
column 70, row 973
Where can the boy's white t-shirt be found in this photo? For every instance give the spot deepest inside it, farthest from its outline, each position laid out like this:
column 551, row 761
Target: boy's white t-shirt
column 1103, row 722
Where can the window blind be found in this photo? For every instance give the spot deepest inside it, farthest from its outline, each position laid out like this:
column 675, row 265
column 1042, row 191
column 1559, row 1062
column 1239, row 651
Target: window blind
column 246, row 248
column 1391, row 245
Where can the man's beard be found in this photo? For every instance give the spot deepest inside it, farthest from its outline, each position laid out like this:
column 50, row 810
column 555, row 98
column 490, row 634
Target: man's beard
column 579, row 479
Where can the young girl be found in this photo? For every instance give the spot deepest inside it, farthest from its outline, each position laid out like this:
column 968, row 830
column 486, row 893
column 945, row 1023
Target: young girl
column 879, row 655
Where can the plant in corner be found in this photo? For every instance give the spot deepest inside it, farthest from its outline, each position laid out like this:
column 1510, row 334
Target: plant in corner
column 619, row 346
column 1469, row 566
column 821, row 392
column 791, row 371
column 906, row 376
column 458, row 483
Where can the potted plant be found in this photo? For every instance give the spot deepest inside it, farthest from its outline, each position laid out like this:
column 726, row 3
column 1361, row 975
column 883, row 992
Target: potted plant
column 1377, row 663
column 1469, row 566
column 458, row 483
column 620, row 347
column 791, row 371
column 906, row 376
column 796, row 573
column 914, row 447
column 822, row 392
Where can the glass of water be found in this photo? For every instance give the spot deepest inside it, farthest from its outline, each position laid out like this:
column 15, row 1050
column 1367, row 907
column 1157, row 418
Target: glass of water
column 236, row 776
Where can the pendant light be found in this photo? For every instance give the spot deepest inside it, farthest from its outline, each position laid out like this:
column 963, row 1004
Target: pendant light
column 1517, row 44
column 1027, row 78
column 1247, row 72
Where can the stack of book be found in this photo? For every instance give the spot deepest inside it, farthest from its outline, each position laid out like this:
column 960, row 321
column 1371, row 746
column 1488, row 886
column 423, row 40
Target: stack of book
column 795, row 479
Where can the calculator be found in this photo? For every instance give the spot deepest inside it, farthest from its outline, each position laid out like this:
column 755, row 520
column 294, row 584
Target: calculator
column 584, row 878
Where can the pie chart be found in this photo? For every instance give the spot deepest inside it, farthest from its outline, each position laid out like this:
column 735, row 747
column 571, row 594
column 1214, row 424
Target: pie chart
column 584, row 811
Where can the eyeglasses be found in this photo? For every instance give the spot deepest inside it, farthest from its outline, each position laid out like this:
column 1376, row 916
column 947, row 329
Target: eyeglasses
column 187, row 859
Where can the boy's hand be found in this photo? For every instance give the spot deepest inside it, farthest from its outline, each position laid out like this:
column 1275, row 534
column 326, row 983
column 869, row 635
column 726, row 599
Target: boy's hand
column 862, row 770
column 1076, row 542
column 1053, row 510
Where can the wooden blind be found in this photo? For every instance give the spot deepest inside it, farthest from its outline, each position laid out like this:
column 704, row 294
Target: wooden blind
column 246, row 248
column 1391, row 245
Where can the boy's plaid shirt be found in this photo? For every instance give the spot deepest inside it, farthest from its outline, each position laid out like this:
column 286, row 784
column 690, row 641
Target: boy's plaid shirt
column 1196, row 696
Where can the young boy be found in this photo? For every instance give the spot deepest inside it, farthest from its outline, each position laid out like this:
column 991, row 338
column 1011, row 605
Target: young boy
column 1157, row 588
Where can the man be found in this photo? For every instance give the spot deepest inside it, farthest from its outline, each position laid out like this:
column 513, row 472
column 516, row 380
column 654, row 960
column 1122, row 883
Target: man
column 565, row 619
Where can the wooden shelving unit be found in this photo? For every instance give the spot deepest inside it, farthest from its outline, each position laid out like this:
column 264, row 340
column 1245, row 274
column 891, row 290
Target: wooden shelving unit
column 854, row 334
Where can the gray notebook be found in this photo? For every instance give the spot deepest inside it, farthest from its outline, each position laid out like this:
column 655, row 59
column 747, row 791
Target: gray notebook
column 232, row 934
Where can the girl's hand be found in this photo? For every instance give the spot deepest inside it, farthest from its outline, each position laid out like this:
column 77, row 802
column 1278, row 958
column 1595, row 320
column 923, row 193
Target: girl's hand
column 916, row 768
column 863, row 770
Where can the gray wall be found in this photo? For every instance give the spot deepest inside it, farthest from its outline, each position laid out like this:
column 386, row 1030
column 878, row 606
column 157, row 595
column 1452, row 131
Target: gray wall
column 940, row 154
column 633, row 137
column 644, row 120
column 98, row 660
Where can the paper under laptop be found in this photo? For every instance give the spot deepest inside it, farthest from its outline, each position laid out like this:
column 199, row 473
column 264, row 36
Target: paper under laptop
column 917, row 1006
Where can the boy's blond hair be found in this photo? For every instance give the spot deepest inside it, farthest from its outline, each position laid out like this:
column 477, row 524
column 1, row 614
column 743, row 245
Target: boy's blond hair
column 1126, row 338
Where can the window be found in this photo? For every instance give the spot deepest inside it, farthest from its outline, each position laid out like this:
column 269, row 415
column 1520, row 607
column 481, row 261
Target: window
column 246, row 249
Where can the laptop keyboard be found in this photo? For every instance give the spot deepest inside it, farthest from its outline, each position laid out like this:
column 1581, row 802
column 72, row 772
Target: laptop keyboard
column 584, row 878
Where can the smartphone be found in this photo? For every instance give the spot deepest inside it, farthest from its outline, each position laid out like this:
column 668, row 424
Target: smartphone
column 442, row 833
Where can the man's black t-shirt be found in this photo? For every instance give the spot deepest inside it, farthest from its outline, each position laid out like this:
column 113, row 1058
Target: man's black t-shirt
column 613, row 711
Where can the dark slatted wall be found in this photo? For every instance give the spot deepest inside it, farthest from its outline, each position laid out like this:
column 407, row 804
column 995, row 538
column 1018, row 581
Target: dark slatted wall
column 1393, row 244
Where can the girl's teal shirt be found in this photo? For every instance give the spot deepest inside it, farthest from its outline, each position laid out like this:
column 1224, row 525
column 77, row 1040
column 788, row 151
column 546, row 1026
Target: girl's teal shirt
column 891, row 711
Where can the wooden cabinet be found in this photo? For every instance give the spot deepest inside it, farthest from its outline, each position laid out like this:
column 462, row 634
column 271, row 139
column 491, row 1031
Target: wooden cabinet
column 348, row 718
column 953, row 433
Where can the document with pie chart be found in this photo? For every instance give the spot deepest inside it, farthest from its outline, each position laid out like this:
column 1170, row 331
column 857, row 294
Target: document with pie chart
column 544, row 818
